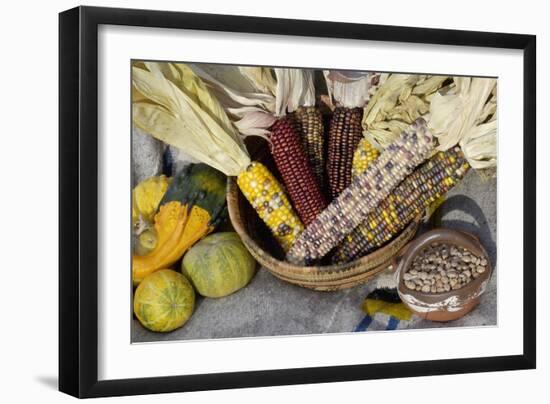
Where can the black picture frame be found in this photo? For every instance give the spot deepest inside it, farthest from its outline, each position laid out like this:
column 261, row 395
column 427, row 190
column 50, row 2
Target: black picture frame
column 78, row 201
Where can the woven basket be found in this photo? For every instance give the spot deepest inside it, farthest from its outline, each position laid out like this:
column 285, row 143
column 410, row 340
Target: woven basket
column 258, row 240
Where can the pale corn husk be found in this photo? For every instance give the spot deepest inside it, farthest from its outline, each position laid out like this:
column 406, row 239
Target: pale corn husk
column 237, row 91
column 261, row 78
column 178, row 109
column 350, row 89
column 460, row 113
column 275, row 92
column 294, row 89
column 246, row 93
column 467, row 116
column 255, row 123
column 398, row 102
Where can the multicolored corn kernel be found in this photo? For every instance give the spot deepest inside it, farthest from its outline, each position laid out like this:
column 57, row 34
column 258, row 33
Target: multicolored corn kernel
column 363, row 195
column 363, row 156
column 408, row 200
column 293, row 165
column 267, row 197
column 344, row 134
column 309, row 124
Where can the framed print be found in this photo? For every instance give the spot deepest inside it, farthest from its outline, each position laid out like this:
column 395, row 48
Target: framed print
column 251, row 201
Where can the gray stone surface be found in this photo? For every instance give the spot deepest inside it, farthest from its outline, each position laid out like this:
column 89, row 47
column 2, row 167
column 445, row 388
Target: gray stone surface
column 269, row 307
column 146, row 155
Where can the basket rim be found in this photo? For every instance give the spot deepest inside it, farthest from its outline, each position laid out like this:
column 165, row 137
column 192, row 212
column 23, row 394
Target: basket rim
column 325, row 273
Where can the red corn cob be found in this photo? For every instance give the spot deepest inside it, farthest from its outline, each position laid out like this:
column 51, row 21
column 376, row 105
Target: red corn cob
column 297, row 175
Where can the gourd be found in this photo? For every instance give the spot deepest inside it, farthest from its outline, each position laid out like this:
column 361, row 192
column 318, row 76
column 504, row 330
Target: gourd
column 164, row 301
column 146, row 197
column 145, row 242
column 219, row 265
column 192, row 207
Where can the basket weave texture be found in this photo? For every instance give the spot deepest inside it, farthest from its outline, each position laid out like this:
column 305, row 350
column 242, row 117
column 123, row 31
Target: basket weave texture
column 263, row 247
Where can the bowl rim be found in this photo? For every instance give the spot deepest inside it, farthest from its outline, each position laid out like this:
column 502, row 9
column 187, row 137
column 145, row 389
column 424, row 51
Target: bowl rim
column 432, row 236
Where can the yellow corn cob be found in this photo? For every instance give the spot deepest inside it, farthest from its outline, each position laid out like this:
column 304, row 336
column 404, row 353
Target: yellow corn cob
column 267, row 197
column 362, row 157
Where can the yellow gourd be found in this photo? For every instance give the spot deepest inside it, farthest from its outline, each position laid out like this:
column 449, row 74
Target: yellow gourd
column 146, row 197
column 192, row 207
column 164, row 301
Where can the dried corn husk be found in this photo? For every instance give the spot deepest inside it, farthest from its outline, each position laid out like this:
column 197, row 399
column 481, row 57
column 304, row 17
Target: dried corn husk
column 275, row 92
column 179, row 110
column 399, row 101
column 459, row 111
column 294, row 89
column 467, row 116
column 261, row 78
column 350, row 89
column 239, row 89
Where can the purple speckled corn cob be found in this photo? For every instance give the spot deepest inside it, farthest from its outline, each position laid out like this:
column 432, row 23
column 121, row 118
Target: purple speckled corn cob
column 365, row 192
column 410, row 198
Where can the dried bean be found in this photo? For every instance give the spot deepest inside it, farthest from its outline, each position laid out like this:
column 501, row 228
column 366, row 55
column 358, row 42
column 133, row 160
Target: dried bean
column 440, row 268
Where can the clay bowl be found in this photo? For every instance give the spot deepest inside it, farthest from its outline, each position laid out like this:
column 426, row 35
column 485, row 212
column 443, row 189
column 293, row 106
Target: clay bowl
column 264, row 248
column 446, row 306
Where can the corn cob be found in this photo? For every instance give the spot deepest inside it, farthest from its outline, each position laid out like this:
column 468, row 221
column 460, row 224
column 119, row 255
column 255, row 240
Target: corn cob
column 344, row 134
column 363, row 195
column 267, row 197
column 409, row 199
column 297, row 175
column 363, row 156
column 310, row 126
